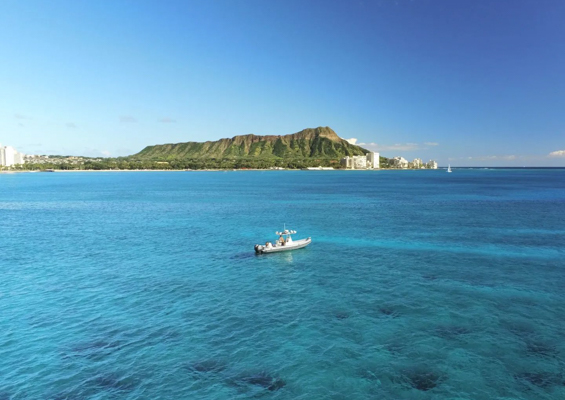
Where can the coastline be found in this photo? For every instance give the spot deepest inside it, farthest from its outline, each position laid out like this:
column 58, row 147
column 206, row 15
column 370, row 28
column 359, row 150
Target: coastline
column 193, row 170
column 257, row 169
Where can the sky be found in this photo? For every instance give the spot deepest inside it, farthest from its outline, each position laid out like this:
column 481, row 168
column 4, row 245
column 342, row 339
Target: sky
column 466, row 83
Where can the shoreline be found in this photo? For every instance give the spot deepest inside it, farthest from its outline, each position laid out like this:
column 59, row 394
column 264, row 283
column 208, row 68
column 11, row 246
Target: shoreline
column 250, row 169
column 198, row 170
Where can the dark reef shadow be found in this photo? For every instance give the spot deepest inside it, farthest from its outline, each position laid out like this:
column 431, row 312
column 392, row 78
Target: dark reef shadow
column 258, row 379
column 422, row 378
column 539, row 379
column 387, row 311
column 341, row 314
column 541, row 349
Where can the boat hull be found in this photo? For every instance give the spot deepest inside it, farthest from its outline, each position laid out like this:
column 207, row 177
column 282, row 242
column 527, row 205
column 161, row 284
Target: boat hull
column 294, row 245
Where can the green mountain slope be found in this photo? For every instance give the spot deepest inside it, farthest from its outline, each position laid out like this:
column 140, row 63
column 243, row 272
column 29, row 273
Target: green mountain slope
column 320, row 142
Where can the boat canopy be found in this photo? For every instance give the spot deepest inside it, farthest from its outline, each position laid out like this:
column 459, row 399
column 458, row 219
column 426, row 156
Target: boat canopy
column 286, row 232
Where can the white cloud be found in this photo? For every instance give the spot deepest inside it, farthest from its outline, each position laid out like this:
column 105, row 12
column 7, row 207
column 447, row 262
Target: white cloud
column 351, row 141
column 558, row 153
column 431, row 144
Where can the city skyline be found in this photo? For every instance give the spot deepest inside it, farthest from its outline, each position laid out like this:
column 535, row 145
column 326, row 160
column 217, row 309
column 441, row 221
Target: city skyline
column 470, row 83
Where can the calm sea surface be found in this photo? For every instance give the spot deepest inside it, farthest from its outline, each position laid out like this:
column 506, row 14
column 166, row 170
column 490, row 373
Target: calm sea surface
column 417, row 285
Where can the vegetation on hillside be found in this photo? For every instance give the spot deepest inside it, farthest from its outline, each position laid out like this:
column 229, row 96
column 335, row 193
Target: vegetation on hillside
column 320, row 143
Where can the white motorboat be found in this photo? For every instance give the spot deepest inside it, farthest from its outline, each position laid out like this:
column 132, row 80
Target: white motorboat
column 283, row 243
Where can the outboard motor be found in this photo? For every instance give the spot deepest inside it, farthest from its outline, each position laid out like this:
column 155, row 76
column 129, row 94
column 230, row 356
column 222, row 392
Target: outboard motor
column 258, row 248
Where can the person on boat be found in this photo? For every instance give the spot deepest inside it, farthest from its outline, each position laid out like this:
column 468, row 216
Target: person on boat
column 281, row 240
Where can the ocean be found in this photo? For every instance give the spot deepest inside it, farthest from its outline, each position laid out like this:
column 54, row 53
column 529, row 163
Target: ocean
column 417, row 285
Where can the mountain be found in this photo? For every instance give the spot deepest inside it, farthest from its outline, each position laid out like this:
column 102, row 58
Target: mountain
column 321, row 142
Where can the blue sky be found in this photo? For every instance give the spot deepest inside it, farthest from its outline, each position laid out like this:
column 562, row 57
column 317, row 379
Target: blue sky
column 464, row 82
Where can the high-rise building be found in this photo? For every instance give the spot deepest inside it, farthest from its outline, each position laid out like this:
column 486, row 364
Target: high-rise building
column 9, row 156
column 417, row 163
column 432, row 164
column 398, row 162
column 347, row 162
column 360, row 162
column 373, row 160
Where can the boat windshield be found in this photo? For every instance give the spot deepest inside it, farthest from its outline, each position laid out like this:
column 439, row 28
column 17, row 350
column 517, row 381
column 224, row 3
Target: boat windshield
column 286, row 232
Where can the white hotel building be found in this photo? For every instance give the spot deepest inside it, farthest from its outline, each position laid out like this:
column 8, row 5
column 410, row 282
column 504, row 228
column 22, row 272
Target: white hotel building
column 368, row 161
column 9, row 156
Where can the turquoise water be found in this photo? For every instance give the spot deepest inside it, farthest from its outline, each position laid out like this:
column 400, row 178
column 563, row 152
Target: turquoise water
column 417, row 285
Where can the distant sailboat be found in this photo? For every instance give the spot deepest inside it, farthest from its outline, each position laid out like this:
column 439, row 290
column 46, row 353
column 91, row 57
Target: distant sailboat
column 448, row 167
